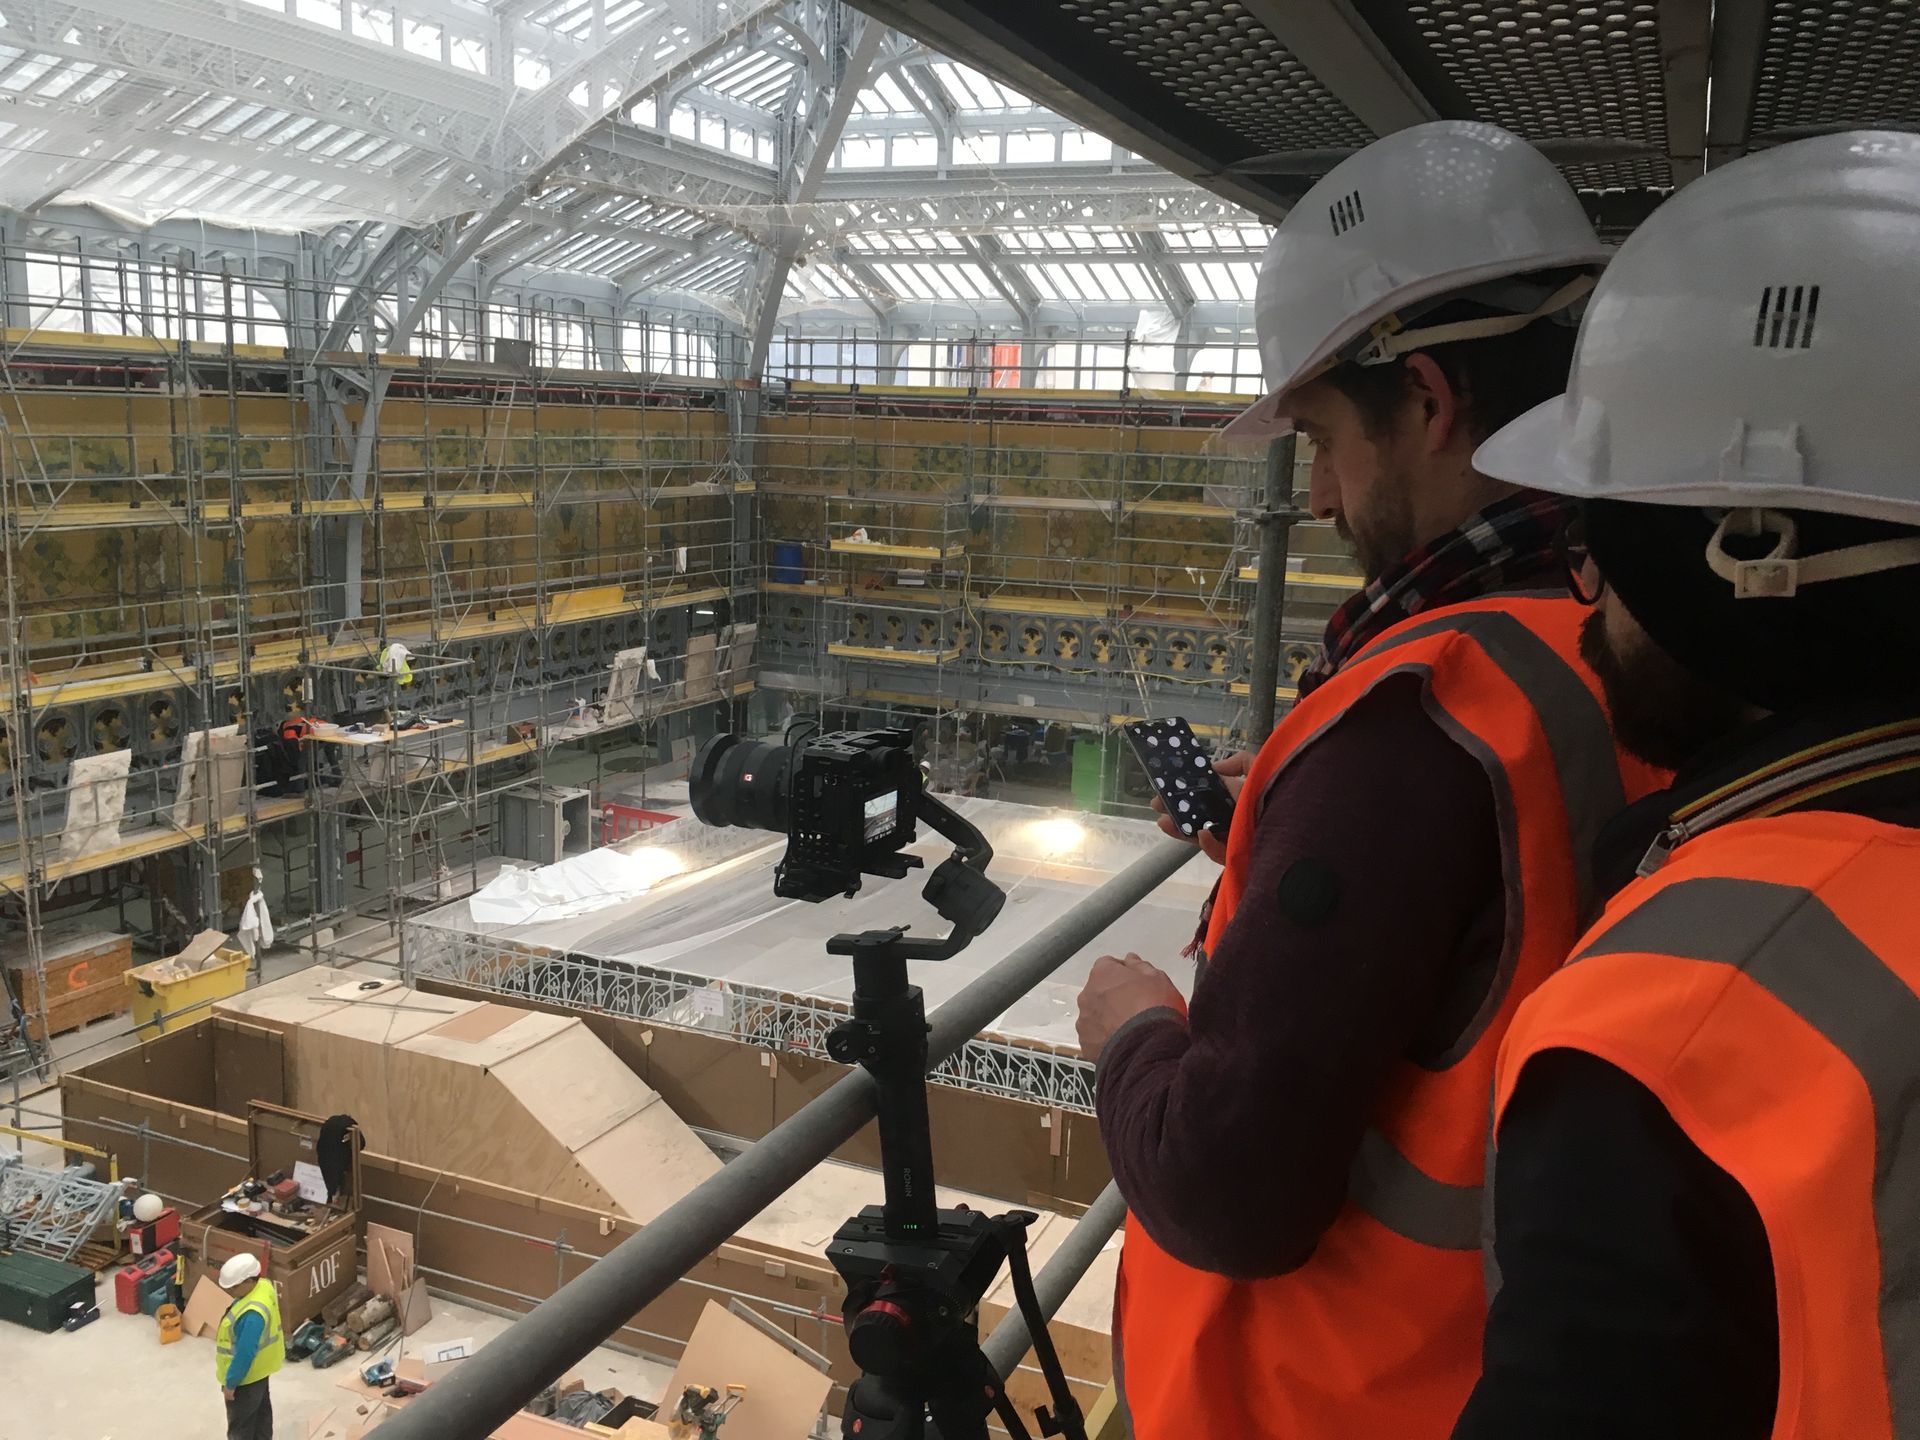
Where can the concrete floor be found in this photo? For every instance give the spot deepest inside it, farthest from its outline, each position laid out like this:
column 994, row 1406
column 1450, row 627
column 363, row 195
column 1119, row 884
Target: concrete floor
column 113, row 1380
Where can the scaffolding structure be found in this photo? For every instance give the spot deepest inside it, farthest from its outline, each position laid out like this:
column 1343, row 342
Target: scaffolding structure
column 207, row 538
column 982, row 555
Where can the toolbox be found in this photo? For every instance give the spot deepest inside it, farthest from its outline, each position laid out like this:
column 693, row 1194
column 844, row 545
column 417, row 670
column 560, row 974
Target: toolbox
column 155, row 1234
column 39, row 1293
column 132, row 1282
column 158, row 1289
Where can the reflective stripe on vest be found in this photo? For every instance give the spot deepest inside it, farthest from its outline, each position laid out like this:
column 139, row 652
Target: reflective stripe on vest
column 1576, row 727
column 1786, row 940
column 1410, row 1202
column 1384, row 1182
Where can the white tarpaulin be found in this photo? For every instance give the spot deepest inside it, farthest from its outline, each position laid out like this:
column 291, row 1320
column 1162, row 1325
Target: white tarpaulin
column 577, row 885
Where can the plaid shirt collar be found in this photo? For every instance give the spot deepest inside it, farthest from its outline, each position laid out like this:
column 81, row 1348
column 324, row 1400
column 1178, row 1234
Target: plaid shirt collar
column 1509, row 541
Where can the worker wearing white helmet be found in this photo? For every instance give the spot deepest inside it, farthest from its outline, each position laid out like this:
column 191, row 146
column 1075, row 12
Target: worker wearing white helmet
column 1709, row 1121
column 249, row 1348
column 1302, row 1148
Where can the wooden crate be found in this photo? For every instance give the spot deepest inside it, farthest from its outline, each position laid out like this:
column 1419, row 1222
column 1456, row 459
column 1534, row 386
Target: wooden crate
column 83, row 976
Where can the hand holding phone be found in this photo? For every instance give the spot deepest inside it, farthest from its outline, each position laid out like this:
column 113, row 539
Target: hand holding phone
column 1195, row 798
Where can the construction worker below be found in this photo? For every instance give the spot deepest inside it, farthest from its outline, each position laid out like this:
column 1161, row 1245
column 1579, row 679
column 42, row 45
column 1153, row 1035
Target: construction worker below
column 249, row 1349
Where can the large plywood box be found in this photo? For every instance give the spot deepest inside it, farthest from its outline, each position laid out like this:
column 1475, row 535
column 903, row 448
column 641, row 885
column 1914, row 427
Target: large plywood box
column 521, row 1097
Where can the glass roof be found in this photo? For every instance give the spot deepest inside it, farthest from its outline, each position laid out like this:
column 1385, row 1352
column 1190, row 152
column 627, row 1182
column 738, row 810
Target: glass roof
column 649, row 143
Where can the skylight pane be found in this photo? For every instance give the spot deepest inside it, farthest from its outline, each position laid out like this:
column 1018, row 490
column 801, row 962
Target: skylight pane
column 371, row 23
column 1030, row 147
column 98, row 86
column 470, row 55
column 1197, row 281
column 894, row 97
column 1085, row 145
column 65, row 80
column 530, row 72
column 28, row 73
column 976, row 149
column 938, row 280
column 915, row 150
column 422, row 39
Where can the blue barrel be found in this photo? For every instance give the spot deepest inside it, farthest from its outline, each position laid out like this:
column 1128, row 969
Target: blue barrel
column 789, row 562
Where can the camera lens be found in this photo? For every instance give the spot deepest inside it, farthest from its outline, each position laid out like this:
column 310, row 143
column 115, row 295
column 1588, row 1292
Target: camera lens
column 737, row 781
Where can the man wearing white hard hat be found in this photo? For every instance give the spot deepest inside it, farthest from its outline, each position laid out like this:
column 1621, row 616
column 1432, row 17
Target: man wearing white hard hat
column 249, row 1348
column 1708, row 1122
column 1302, row 1149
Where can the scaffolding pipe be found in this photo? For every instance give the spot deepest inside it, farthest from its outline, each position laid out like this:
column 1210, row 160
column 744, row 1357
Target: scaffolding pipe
column 1275, row 520
column 515, row 1366
column 1011, row 1340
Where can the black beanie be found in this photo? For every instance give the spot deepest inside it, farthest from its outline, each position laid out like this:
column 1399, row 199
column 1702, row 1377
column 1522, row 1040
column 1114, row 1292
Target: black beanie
column 1839, row 641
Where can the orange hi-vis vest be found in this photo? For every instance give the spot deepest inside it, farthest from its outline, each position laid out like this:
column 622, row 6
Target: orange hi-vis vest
column 1764, row 985
column 1378, row 1333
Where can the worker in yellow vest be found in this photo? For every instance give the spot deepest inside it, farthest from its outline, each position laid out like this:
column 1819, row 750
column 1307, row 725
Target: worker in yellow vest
column 249, row 1348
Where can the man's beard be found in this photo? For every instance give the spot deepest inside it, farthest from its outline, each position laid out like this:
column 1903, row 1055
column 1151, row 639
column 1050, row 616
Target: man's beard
column 1661, row 711
column 1385, row 538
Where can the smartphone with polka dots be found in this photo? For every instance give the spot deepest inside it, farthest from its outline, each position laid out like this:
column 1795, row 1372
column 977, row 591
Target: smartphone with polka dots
column 1182, row 775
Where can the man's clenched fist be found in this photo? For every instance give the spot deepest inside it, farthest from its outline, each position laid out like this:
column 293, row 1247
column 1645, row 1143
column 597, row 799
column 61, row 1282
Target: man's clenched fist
column 1117, row 989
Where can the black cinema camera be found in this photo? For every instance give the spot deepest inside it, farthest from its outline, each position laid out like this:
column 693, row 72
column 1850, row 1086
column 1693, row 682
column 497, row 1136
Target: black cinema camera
column 848, row 804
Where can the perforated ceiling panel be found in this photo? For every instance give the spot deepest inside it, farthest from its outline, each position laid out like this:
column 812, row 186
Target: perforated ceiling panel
column 1838, row 64
column 1219, row 60
column 1559, row 70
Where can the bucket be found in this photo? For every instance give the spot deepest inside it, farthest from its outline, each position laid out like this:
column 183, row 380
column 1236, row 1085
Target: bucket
column 789, row 563
column 169, row 1318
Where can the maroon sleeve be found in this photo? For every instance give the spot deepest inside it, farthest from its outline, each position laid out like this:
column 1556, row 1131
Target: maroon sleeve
column 1369, row 927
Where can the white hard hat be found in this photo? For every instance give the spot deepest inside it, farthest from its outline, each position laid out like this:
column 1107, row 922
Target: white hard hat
column 148, row 1207
column 1751, row 348
column 1413, row 220
column 238, row 1271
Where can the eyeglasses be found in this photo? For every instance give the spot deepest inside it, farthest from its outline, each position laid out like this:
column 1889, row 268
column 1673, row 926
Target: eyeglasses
column 1584, row 579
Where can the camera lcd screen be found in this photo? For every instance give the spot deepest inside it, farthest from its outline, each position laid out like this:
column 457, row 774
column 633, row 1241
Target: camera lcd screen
column 882, row 811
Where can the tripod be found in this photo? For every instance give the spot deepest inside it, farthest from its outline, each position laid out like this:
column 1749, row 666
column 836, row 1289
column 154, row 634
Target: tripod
column 915, row 1274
